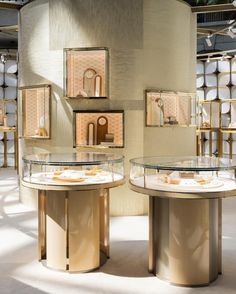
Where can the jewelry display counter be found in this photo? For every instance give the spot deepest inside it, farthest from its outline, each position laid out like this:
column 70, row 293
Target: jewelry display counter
column 73, row 206
column 185, row 214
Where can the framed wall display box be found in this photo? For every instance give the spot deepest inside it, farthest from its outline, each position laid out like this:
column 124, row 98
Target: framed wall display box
column 166, row 108
column 86, row 73
column 99, row 128
column 36, row 109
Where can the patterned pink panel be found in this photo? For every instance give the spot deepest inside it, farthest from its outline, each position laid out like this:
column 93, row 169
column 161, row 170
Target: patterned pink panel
column 36, row 110
column 77, row 63
column 184, row 109
column 115, row 126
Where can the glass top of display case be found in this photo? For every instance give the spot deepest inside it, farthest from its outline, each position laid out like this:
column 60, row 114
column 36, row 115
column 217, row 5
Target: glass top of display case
column 72, row 159
column 188, row 163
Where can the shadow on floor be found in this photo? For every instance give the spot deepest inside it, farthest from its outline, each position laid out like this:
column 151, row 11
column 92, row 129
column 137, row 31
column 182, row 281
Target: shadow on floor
column 128, row 259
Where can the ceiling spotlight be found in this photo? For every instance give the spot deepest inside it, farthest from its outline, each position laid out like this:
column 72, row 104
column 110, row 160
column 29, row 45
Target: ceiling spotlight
column 208, row 59
column 208, row 41
column 230, row 33
column 234, row 3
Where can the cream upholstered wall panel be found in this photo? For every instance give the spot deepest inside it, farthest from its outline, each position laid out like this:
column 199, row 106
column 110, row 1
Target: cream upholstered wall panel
column 145, row 51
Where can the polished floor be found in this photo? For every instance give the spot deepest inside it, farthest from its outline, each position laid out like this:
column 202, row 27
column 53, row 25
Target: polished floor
column 125, row 272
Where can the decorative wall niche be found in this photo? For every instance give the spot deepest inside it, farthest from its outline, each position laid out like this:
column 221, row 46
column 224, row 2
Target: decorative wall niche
column 99, row 128
column 36, row 109
column 86, row 73
column 165, row 108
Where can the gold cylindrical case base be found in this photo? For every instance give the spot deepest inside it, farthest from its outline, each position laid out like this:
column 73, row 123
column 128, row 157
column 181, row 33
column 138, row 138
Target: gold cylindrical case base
column 185, row 240
column 74, row 229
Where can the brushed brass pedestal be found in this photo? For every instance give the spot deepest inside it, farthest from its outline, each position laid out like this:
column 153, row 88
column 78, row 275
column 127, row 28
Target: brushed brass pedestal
column 185, row 240
column 73, row 229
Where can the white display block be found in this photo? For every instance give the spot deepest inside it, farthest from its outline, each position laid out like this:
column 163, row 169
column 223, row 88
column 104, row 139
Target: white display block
column 11, row 120
column 1, row 79
column 214, row 135
column 233, row 112
column 224, row 66
column 233, row 78
column 224, row 93
column 225, row 107
column 225, row 147
column 225, row 120
column 10, row 136
column 207, row 145
column 211, row 80
column 11, row 66
column 200, row 67
column 11, row 92
column 1, row 67
column 223, row 79
column 233, row 64
column 10, row 147
column 215, row 116
column 1, row 93
column 234, row 147
column 225, row 136
column 210, row 67
column 200, row 94
column 211, row 93
column 233, row 92
column 10, row 107
column 1, row 147
column 200, row 81
column 234, row 137
column 11, row 80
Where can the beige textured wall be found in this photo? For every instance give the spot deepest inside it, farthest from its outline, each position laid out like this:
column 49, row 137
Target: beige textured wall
column 151, row 44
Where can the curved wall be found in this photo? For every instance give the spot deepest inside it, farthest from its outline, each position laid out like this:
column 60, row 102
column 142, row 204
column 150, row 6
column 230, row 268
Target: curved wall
column 151, row 45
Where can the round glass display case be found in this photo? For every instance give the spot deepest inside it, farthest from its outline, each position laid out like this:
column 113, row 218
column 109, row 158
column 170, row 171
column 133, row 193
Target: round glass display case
column 183, row 175
column 185, row 214
column 73, row 206
column 81, row 168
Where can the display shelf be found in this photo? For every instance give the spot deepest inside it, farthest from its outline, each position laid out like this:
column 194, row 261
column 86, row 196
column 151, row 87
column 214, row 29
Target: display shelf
column 86, row 73
column 216, row 106
column 8, row 110
column 166, row 108
column 99, row 128
column 36, row 111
